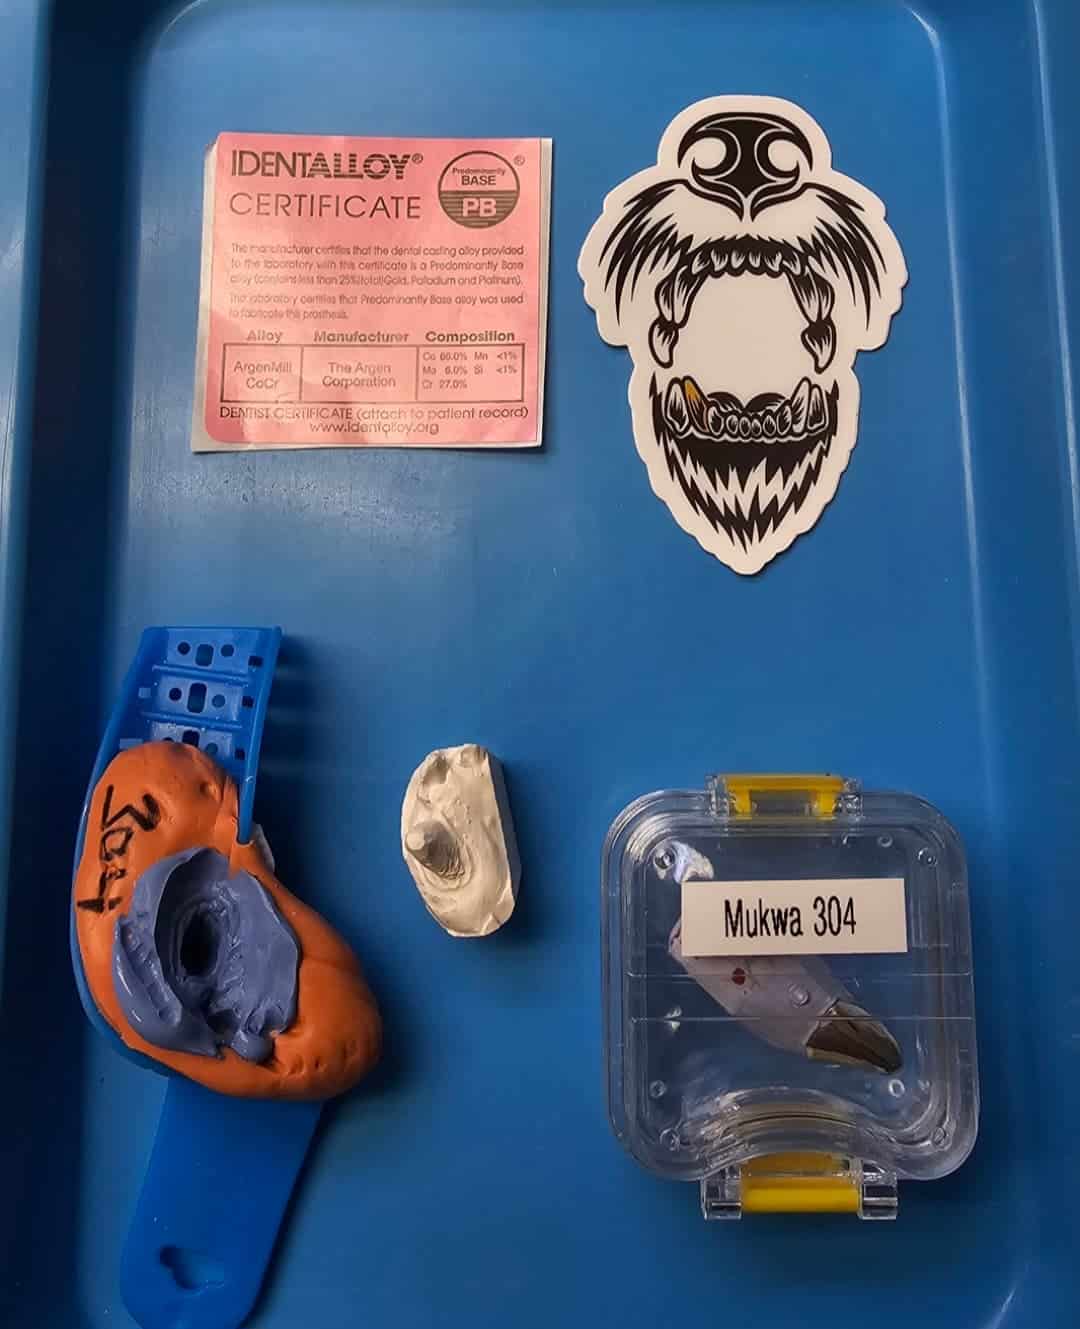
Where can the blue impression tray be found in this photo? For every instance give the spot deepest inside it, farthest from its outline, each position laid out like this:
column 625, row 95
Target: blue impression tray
column 222, row 1169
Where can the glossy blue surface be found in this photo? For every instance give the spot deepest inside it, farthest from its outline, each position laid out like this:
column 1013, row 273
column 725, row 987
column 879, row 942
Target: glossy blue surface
column 22, row 84
column 923, row 636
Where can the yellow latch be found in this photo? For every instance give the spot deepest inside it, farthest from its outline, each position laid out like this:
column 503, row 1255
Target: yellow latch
column 751, row 794
column 798, row 1183
column 792, row 1183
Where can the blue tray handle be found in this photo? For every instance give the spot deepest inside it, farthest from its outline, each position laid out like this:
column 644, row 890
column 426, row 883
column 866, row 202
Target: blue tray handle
column 215, row 1192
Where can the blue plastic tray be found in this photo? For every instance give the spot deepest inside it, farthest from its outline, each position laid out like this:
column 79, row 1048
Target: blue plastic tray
column 921, row 637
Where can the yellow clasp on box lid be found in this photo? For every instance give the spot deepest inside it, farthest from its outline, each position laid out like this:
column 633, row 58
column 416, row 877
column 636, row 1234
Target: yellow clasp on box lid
column 772, row 794
column 790, row 1183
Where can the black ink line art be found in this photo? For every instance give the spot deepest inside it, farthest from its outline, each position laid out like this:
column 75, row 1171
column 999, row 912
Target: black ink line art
column 744, row 275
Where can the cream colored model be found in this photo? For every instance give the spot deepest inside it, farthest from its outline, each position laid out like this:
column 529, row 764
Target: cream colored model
column 458, row 840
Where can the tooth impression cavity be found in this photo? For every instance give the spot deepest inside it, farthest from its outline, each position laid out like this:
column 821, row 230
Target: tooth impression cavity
column 203, row 959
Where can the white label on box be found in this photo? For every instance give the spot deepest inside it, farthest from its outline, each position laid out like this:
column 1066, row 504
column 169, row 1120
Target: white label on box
column 852, row 916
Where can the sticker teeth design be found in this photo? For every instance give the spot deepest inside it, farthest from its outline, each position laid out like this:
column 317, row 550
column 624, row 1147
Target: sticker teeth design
column 745, row 468
column 746, row 487
column 675, row 295
column 687, row 410
column 800, row 401
column 743, row 191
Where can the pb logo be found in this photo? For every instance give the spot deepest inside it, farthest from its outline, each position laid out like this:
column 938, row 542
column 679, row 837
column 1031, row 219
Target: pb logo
column 479, row 189
column 478, row 207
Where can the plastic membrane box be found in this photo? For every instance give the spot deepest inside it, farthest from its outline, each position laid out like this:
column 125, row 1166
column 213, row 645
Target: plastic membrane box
column 788, row 973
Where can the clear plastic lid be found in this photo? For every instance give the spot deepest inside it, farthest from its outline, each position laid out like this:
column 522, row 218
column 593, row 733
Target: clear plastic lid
column 787, row 972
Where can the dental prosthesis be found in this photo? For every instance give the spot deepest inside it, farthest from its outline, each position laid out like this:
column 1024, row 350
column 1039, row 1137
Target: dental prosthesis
column 797, row 1005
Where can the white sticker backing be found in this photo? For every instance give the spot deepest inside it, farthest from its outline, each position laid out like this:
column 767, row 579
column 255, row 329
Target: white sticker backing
column 744, row 275
column 856, row 916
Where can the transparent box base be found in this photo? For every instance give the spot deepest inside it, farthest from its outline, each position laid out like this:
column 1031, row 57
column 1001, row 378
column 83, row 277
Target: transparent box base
column 818, row 1077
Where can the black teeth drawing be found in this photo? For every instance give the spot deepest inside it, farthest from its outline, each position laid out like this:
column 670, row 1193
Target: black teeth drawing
column 743, row 194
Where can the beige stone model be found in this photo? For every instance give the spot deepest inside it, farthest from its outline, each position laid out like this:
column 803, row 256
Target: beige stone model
column 458, row 840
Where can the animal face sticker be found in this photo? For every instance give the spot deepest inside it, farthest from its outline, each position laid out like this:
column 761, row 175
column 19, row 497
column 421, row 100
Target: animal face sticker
column 744, row 275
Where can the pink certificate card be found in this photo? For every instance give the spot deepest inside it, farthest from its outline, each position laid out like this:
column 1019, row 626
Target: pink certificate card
column 365, row 292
